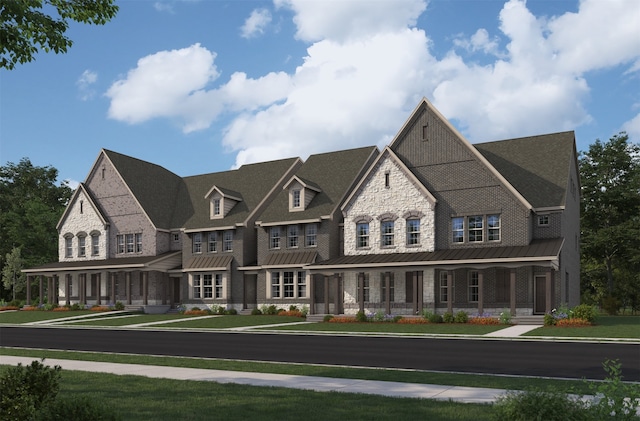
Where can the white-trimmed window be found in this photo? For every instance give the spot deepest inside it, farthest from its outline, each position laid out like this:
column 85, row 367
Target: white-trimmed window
column 292, row 236
column 207, row 286
column 274, row 238
column 120, row 242
column 493, row 227
column 475, row 228
column 213, row 242
column 216, row 207
column 473, row 287
column 228, row 240
column 288, row 284
column 68, row 246
column 444, row 288
column 413, row 232
column 543, row 220
column 138, row 243
column 95, row 244
column 129, row 243
column 386, row 230
column 219, row 286
column 295, row 198
column 197, row 242
column 197, row 286
column 311, row 235
column 457, row 229
column 362, row 234
column 82, row 246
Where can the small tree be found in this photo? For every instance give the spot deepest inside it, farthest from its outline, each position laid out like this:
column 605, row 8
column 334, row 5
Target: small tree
column 12, row 277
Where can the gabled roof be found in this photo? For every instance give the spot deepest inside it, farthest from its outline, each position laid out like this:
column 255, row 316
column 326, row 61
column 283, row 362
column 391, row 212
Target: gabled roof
column 252, row 182
column 333, row 174
column 82, row 189
column 307, row 184
column 537, row 166
column 154, row 187
column 224, row 193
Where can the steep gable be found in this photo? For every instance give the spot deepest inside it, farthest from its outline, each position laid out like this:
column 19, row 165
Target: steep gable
column 330, row 175
column 539, row 167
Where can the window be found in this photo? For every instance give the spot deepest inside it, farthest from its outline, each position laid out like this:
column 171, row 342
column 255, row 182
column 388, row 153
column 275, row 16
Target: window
column 219, row 286
column 386, row 229
column 274, row 238
column 295, row 198
column 457, row 227
column 207, row 286
column 311, row 235
column 129, row 242
column 444, row 290
column 176, row 237
column 292, row 236
column 216, row 206
column 82, row 248
column 120, row 241
column 362, row 235
column 213, row 242
column 493, row 227
column 95, row 245
column 474, row 286
column 197, row 242
column 228, row 240
column 413, row 232
column 543, row 220
column 138, row 243
column 387, row 179
column 68, row 246
column 197, row 286
column 363, row 285
column 289, row 284
column 475, row 229
column 383, row 289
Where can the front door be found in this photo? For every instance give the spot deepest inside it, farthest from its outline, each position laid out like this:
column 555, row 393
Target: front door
column 540, row 300
column 175, row 291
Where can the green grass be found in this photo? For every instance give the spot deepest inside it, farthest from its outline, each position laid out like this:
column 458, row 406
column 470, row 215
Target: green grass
column 139, row 398
column 224, row 322
column 605, row 327
column 403, row 376
column 429, row 328
column 38, row 315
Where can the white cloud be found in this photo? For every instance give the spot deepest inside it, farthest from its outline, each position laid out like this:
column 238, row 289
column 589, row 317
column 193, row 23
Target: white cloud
column 163, row 7
column 85, row 83
column 632, row 127
column 366, row 68
column 255, row 23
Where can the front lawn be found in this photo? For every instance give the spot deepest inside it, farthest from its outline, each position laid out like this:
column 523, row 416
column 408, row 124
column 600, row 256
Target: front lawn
column 605, row 327
column 373, row 327
column 23, row 316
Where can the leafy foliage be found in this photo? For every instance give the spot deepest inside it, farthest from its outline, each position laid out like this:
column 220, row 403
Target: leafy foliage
column 26, row 389
column 25, row 28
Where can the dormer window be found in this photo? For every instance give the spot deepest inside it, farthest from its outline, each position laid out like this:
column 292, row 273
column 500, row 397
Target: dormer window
column 216, row 207
column 301, row 193
column 221, row 201
column 295, row 198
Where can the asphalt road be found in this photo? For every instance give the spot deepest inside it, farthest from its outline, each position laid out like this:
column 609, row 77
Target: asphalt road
column 530, row 358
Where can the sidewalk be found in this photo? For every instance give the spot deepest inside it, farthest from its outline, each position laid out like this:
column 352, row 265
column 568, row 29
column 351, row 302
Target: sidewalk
column 318, row 384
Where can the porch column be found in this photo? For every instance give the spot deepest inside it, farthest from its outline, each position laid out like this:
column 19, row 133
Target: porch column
column 67, row 288
column 420, row 291
column 387, row 292
column 326, row 295
column 414, row 283
column 450, row 291
column 49, row 289
column 145, row 287
column 480, row 292
column 41, row 298
column 112, row 279
column 512, row 291
column 127, row 282
column 549, row 291
column 29, row 290
column 83, row 288
column 98, row 288
column 56, row 289
column 338, row 298
column 361, row 290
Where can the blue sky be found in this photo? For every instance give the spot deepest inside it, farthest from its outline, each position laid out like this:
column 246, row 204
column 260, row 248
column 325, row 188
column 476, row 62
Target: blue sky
column 204, row 86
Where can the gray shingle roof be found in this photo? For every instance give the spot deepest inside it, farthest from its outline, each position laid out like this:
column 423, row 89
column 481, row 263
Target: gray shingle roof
column 537, row 166
column 333, row 173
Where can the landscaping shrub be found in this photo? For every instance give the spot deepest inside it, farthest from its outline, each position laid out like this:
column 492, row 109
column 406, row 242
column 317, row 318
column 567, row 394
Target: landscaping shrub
column 618, row 400
column 505, row 317
column 574, row 322
column 231, row 312
column 327, row 317
column 447, row 317
column 361, row 317
column 426, row 314
column 435, row 318
column 584, row 311
column 461, row 317
column 611, row 305
column 549, row 320
column 26, row 389
column 538, row 405
column 256, row 312
column 119, row 306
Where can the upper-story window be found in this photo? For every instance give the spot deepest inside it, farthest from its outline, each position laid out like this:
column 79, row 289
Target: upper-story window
column 68, row 246
column 138, row 243
column 129, row 243
column 311, row 235
column 362, row 234
column 413, row 232
column 274, row 238
column 216, row 207
column 387, row 232
column 213, row 242
column 543, row 220
column 228, row 240
column 82, row 246
column 292, row 236
column 387, row 179
column 295, row 198
column 95, row 244
column 197, row 242
column 457, row 227
column 476, row 229
column 493, row 227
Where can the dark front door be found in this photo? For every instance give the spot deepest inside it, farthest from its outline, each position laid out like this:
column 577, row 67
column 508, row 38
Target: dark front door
column 539, row 305
column 250, row 291
column 175, row 291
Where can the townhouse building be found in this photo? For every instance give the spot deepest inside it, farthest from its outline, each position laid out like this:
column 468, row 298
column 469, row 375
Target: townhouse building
column 430, row 222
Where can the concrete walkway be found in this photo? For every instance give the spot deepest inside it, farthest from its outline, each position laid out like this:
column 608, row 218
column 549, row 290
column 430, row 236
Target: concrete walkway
column 318, row 384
